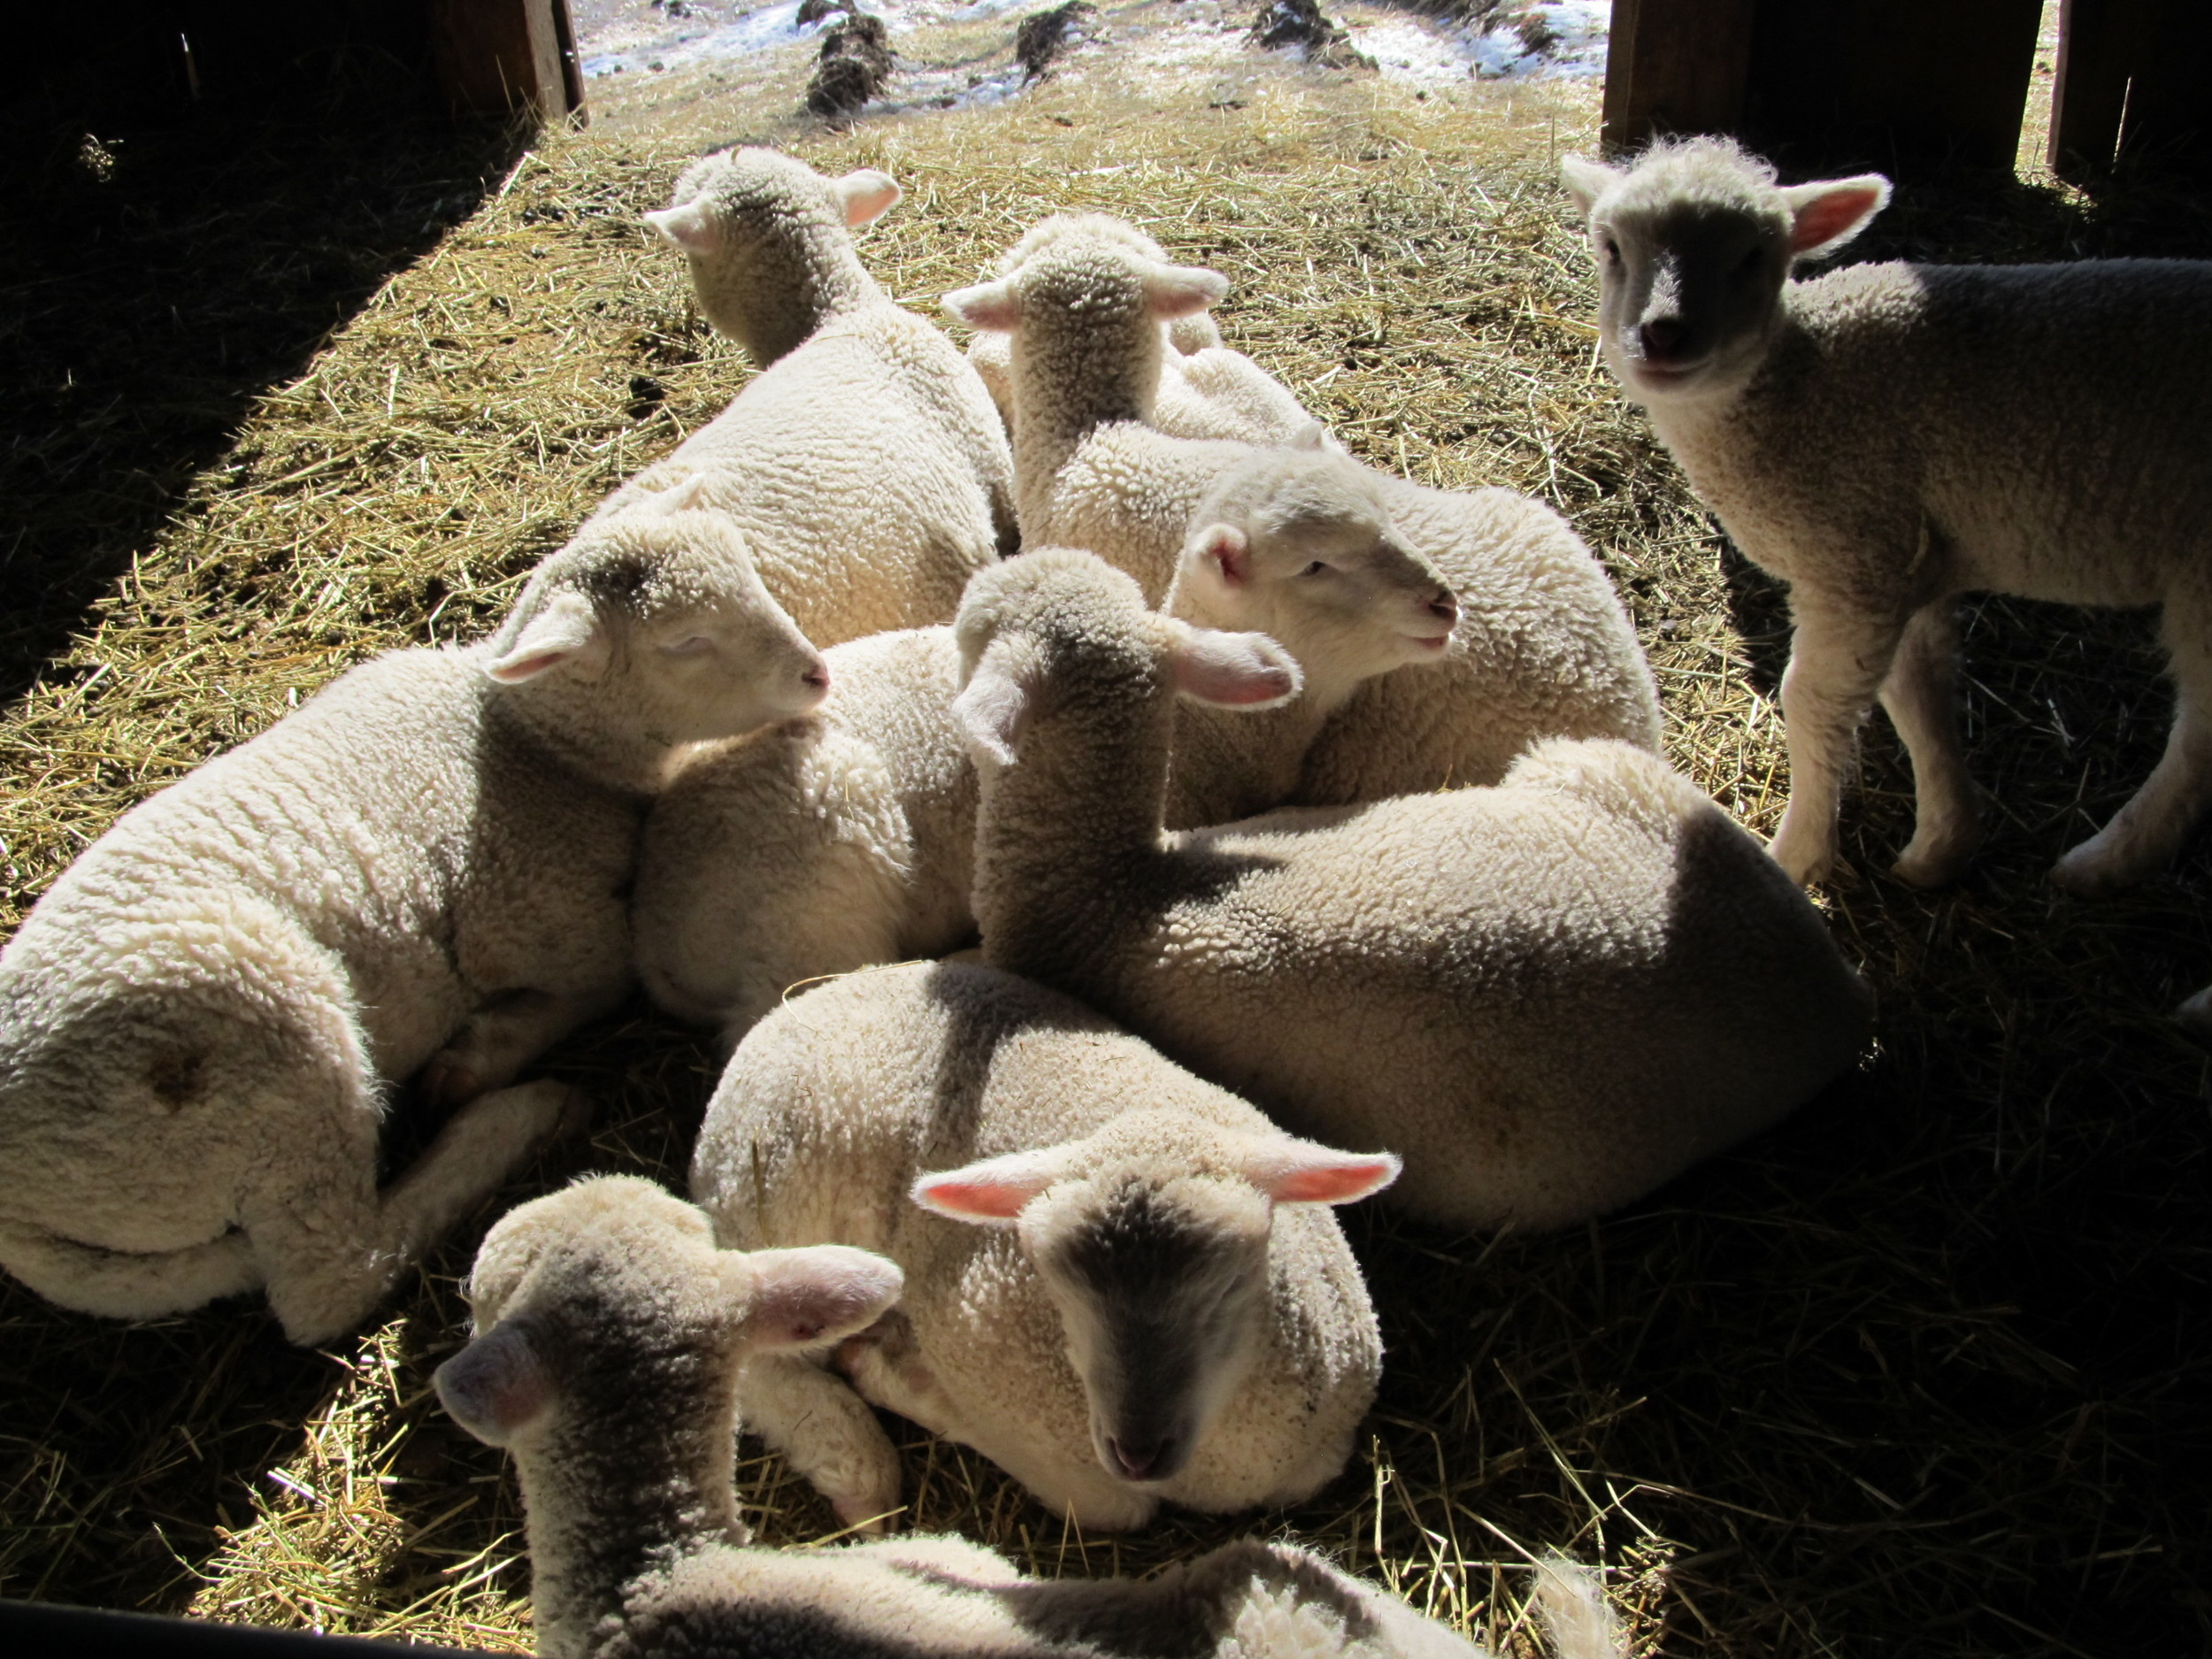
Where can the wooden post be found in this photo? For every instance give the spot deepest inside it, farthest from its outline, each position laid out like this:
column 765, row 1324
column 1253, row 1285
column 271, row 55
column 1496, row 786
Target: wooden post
column 496, row 56
column 1675, row 67
column 2131, row 85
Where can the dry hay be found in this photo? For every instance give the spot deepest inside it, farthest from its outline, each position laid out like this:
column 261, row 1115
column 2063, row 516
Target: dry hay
column 1924, row 1371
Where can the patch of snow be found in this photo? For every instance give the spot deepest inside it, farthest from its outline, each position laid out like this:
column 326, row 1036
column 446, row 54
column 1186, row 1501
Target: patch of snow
column 649, row 40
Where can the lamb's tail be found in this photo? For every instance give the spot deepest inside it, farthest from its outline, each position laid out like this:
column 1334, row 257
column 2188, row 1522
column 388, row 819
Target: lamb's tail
column 1572, row 1600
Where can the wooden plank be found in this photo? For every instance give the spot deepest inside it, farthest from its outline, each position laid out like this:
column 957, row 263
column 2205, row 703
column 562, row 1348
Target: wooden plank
column 2132, row 87
column 1675, row 67
column 1891, row 82
column 496, row 56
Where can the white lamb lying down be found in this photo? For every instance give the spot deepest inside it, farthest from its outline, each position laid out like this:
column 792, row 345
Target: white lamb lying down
column 1123, row 1285
column 1205, row 390
column 421, row 870
column 1543, row 648
column 1887, row 437
column 1549, row 997
column 608, row 1338
column 865, row 463
column 847, row 838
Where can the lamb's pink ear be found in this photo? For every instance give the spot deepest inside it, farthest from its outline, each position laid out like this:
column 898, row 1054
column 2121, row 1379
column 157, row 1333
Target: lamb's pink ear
column 1177, row 290
column 1299, row 1172
column 1828, row 213
column 495, row 1385
column 1232, row 671
column 798, row 1298
column 991, row 707
column 565, row 629
column 992, row 306
column 683, row 497
column 993, row 1193
column 690, row 228
column 1586, row 181
column 1222, row 551
column 867, row 196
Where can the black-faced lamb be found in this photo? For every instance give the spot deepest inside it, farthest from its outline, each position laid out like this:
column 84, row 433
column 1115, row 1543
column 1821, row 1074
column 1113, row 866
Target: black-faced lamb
column 865, row 462
column 1543, row 648
column 422, row 870
column 1549, row 997
column 610, row 1334
column 1886, row 437
column 847, row 838
column 1123, row 1285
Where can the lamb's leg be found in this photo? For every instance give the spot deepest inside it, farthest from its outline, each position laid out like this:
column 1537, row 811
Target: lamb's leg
column 1839, row 657
column 508, row 1030
column 1920, row 696
column 828, row 1433
column 888, row 1368
column 330, row 1246
column 2145, row 835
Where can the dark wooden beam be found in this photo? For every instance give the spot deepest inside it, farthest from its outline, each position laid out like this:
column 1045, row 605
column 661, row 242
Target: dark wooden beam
column 1675, row 67
column 498, row 56
column 2131, row 86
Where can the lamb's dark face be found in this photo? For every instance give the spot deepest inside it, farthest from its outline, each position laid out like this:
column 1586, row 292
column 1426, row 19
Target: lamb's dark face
column 1690, row 288
column 1160, row 1286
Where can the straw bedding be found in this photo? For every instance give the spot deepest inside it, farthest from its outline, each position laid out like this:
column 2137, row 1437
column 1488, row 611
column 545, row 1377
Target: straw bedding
column 1925, row 1371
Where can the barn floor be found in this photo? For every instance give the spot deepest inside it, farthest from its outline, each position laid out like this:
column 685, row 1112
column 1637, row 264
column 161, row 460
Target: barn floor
column 1927, row 1370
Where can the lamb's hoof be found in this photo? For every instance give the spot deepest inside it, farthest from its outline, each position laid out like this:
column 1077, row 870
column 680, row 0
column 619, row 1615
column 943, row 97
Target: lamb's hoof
column 1806, row 865
column 2093, row 871
column 2194, row 1017
column 449, row 1079
column 869, row 1516
column 1934, row 866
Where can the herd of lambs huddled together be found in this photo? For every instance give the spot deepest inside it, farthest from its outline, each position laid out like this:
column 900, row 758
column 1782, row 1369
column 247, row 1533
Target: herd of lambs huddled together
column 1312, row 823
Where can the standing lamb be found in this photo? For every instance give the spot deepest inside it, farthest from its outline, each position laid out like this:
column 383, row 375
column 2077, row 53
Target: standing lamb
column 847, row 838
column 1887, row 437
column 610, row 1335
column 422, row 870
column 864, row 463
column 1547, row 996
column 1122, row 1286
column 1543, row 648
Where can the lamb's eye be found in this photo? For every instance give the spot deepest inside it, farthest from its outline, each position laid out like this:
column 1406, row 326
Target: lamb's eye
column 1315, row 568
column 1612, row 251
column 690, row 645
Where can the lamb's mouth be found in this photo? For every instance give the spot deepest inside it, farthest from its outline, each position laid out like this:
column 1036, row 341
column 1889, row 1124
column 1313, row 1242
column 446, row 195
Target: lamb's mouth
column 1665, row 376
column 1428, row 644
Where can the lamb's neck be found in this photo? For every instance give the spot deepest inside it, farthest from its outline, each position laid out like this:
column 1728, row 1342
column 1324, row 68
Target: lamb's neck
column 799, row 288
column 580, row 747
column 1077, row 815
column 1231, row 763
column 1695, row 425
column 1068, row 383
column 609, row 1501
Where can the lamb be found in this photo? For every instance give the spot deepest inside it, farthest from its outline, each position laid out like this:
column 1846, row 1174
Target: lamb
column 1121, row 1286
column 1205, row 391
column 864, row 463
column 609, row 1339
column 1886, row 437
column 845, row 839
column 1547, row 996
column 421, row 870
column 1543, row 648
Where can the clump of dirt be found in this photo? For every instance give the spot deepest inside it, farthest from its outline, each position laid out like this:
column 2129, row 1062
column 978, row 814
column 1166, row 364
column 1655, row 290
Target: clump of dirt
column 815, row 11
column 855, row 67
column 1044, row 37
column 1282, row 23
